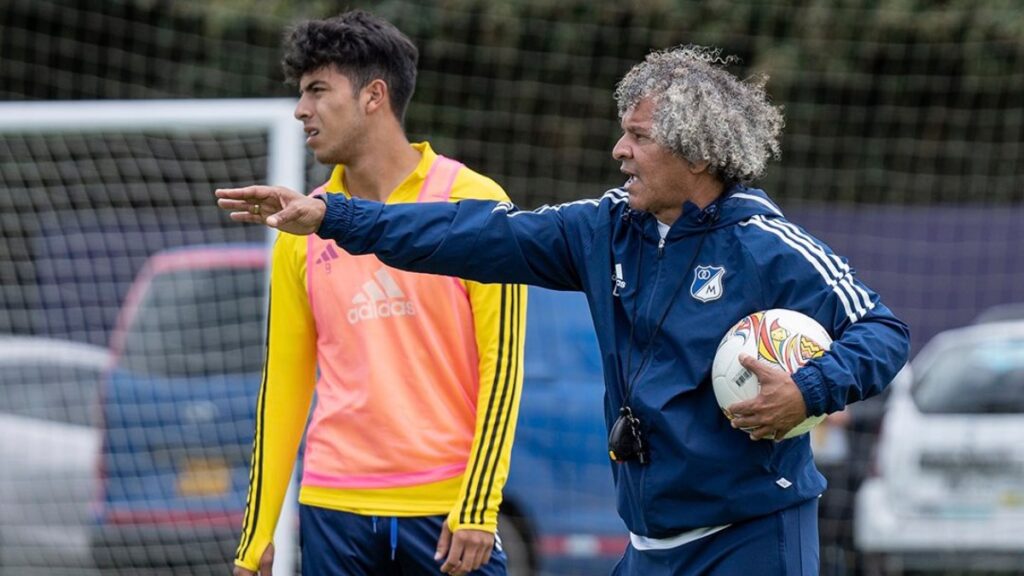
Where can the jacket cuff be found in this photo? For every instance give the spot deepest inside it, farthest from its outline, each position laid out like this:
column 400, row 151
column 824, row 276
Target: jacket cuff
column 337, row 219
column 812, row 385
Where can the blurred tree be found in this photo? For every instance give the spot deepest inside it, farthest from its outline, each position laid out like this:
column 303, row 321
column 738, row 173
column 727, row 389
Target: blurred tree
column 886, row 100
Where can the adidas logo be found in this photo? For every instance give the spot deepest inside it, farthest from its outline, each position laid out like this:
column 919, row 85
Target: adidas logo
column 380, row 298
column 326, row 255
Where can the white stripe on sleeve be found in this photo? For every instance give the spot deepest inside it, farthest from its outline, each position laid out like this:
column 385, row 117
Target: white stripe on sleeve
column 839, row 270
column 843, row 297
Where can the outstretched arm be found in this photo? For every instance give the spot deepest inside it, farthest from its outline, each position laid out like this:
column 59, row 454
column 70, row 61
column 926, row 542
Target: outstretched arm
column 478, row 240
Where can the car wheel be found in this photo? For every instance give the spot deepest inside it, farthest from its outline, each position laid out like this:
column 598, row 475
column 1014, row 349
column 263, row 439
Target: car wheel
column 515, row 542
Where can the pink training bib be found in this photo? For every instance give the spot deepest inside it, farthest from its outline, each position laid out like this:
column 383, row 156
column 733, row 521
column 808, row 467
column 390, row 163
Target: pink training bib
column 398, row 367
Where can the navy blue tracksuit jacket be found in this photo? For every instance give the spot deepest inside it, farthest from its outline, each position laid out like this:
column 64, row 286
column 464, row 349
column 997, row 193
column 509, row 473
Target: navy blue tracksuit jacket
column 736, row 256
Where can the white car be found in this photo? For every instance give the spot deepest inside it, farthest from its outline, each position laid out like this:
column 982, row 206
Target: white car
column 49, row 448
column 949, row 489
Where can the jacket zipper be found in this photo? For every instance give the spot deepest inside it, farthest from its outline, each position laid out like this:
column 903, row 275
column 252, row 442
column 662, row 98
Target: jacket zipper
column 642, row 480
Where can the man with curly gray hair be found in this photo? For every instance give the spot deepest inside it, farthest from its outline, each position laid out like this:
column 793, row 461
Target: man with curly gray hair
column 705, row 114
column 669, row 262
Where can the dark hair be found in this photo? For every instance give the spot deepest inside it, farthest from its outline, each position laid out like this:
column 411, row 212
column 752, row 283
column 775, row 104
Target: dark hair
column 359, row 45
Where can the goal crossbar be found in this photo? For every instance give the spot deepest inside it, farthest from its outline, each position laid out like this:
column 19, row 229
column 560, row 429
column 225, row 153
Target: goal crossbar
column 286, row 139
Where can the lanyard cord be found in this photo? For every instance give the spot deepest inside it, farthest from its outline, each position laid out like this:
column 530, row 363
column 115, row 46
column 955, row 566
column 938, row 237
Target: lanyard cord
column 648, row 352
column 632, row 329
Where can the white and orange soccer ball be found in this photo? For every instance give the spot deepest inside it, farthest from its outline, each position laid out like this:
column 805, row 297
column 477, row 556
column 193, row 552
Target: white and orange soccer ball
column 785, row 338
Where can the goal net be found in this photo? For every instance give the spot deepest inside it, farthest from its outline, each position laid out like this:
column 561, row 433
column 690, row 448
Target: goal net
column 133, row 313
column 904, row 133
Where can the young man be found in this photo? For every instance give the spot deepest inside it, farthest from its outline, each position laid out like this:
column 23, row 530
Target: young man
column 669, row 262
column 417, row 377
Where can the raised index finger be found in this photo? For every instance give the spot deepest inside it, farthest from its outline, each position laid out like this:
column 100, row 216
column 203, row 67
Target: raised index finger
column 246, row 193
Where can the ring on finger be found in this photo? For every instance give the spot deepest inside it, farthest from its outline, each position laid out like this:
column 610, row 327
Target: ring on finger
column 254, row 209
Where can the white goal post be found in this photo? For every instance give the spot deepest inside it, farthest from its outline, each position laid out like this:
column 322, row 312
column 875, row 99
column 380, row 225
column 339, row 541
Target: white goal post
column 285, row 165
column 287, row 143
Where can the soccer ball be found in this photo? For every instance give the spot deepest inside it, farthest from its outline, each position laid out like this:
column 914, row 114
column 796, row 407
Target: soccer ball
column 782, row 337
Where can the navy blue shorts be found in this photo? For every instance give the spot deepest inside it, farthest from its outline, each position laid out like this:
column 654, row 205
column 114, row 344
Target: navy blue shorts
column 780, row 544
column 342, row 544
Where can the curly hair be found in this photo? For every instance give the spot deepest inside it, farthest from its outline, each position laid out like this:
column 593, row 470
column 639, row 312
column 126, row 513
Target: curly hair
column 358, row 44
column 704, row 113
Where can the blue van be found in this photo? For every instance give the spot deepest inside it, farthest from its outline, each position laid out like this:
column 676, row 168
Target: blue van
column 178, row 415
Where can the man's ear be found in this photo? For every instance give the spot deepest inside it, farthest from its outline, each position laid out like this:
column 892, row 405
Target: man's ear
column 374, row 96
column 698, row 167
